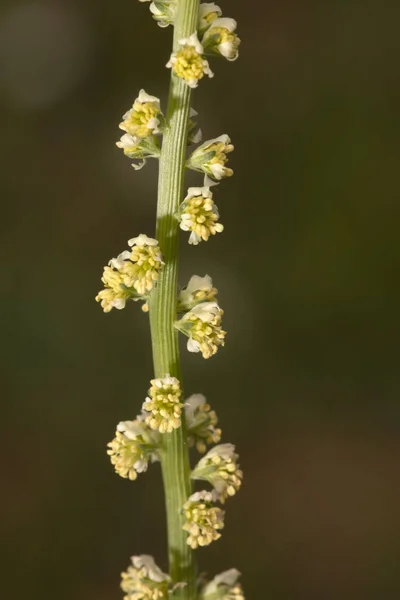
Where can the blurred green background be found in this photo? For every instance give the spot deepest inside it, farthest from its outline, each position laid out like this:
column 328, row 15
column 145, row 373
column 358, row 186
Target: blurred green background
column 307, row 386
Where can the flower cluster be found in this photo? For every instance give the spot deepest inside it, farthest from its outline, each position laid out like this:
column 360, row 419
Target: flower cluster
column 144, row 580
column 199, row 214
column 223, row 587
column 163, row 404
column 199, row 289
column 219, row 467
column 201, row 423
column 188, row 62
column 132, row 274
column 210, row 158
column 202, row 325
column 133, row 447
column 203, row 519
column 141, row 124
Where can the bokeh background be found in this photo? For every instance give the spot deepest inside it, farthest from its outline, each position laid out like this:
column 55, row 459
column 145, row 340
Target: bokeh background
column 307, row 386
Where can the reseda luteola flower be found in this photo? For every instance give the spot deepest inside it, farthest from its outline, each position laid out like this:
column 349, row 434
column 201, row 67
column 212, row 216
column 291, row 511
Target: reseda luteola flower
column 208, row 12
column 219, row 467
column 188, row 62
column 199, row 214
column 132, row 274
column 199, row 289
column 203, row 520
column 210, row 158
column 164, row 404
column 202, row 324
column 223, row 587
column 134, row 445
column 144, row 580
column 141, row 124
column 201, row 423
column 220, row 38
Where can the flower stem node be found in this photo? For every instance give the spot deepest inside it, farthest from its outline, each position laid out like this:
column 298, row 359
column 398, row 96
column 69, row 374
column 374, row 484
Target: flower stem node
column 199, row 214
column 202, row 324
column 223, row 587
column 164, row 404
column 201, row 423
column 188, row 62
column 219, row 467
column 144, row 580
column 203, row 519
column 199, row 289
column 208, row 12
column 210, row 158
column 133, row 447
column 220, row 38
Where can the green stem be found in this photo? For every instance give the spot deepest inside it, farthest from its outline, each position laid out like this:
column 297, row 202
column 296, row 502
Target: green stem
column 175, row 456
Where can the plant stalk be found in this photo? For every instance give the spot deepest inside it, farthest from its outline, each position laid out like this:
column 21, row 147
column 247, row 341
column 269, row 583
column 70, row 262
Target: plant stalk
column 175, row 456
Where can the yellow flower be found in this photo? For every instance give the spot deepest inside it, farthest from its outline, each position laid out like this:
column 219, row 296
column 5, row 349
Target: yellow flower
column 203, row 520
column 199, row 214
column 143, row 119
column 164, row 404
column 188, row 62
column 202, row 324
column 211, row 158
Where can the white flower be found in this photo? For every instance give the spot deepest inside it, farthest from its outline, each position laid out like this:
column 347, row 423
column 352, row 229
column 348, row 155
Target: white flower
column 219, row 467
column 223, row 587
column 202, row 324
column 208, row 12
column 142, row 240
column 163, row 12
column 199, row 214
column 221, row 38
column 133, row 446
column 199, row 289
column 138, row 148
column 188, row 62
column 211, row 158
column 143, row 119
column 144, row 580
column 201, row 422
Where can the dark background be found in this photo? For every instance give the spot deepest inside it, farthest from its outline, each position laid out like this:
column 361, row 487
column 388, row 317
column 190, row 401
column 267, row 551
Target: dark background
column 307, row 386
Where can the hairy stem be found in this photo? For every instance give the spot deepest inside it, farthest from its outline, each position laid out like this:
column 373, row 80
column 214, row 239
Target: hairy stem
column 175, row 456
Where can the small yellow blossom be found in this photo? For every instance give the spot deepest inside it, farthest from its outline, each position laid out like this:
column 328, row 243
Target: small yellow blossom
column 114, row 294
column 144, row 580
column 199, row 289
column 143, row 119
column 223, row 587
column 188, row 62
column 221, row 38
column 219, row 467
column 201, row 423
column 202, row 324
column 164, row 404
column 203, row 519
column 142, row 269
column 211, row 158
column 199, row 214
column 132, row 448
